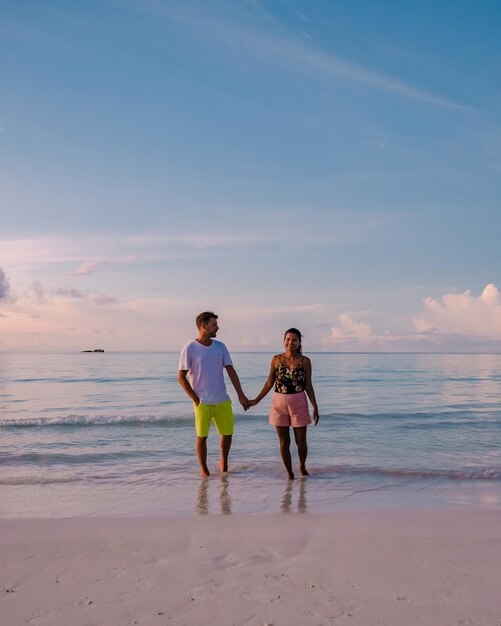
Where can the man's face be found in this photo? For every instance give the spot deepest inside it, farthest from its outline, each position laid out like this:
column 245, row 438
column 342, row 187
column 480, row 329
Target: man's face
column 211, row 327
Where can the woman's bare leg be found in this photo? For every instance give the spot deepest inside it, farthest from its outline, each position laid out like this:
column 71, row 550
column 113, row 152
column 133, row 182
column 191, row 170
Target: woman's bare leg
column 284, row 439
column 302, row 448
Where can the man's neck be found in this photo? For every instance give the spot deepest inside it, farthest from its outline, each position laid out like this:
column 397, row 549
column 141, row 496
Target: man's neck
column 205, row 340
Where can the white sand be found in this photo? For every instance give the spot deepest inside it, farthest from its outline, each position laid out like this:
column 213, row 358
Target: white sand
column 434, row 567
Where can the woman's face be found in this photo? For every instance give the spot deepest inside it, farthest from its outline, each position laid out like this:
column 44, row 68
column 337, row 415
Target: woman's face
column 291, row 342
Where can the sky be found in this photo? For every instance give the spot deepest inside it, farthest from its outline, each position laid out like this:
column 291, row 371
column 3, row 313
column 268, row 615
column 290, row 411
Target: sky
column 329, row 165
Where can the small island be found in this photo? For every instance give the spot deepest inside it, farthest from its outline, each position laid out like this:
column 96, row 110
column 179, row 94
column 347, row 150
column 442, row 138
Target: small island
column 95, row 350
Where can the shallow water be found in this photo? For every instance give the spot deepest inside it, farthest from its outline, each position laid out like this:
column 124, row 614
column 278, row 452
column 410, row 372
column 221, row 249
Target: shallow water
column 112, row 434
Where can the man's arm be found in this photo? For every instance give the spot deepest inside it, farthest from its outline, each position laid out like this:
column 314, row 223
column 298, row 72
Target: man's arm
column 235, row 381
column 185, row 384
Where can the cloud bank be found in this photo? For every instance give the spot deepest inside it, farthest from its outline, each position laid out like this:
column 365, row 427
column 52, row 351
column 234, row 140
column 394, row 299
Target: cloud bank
column 463, row 314
column 41, row 315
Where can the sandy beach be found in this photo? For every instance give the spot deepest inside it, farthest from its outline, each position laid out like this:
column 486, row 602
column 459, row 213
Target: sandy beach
column 374, row 568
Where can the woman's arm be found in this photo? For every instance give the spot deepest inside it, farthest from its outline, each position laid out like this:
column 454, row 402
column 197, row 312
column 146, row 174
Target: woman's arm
column 310, row 392
column 268, row 384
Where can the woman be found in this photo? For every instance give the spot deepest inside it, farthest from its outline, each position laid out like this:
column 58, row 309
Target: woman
column 290, row 376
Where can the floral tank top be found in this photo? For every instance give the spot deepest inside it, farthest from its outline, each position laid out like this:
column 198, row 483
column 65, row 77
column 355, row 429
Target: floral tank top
column 290, row 381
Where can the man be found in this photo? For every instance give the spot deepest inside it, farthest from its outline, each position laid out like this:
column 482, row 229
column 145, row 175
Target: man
column 204, row 359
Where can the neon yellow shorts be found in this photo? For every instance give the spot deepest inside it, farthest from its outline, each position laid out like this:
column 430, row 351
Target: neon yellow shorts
column 221, row 414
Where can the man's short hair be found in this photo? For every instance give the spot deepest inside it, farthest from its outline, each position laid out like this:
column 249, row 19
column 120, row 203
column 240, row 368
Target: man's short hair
column 203, row 318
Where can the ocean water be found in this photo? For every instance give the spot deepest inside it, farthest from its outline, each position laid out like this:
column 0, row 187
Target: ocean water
column 89, row 434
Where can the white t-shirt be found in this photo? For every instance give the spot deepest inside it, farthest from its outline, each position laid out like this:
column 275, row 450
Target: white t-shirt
column 206, row 367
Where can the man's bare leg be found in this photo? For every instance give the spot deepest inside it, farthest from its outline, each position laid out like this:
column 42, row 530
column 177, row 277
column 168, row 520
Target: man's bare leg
column 225, row 451
column 202, row 455
column 284, row 439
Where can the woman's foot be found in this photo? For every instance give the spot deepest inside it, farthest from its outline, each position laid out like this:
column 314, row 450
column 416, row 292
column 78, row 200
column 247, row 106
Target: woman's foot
column 303, row 471
column 291, row 475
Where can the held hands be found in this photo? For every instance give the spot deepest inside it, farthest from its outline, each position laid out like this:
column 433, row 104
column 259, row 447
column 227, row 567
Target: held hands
column 246, row 403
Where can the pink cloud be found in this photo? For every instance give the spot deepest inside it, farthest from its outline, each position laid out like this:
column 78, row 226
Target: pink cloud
column 87, row 268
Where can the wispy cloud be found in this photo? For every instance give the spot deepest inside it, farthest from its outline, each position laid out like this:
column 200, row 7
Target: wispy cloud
column 295, row 56
column 89, row 267
column 68, row 292
column 103, row 299
column 310, row 229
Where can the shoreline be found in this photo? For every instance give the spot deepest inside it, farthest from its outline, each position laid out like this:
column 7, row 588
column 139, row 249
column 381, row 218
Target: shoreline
column 239, row 492
column 426, row 567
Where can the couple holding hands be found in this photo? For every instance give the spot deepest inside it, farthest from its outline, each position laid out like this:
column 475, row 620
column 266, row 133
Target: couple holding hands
column 204, row 361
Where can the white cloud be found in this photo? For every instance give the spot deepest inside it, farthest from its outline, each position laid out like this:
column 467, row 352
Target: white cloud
column 463, row 314
column 349, row 328
column 422, row 326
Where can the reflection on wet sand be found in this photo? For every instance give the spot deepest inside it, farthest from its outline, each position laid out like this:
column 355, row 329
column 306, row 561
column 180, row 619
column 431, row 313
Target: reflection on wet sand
column 224, row 496
column 302, row 505
column 202, row 504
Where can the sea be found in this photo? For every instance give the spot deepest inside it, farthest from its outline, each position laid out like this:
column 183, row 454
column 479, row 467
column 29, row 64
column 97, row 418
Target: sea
column 112, row 435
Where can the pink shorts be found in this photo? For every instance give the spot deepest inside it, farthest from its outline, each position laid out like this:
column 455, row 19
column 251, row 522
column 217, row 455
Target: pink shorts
column 289, row 409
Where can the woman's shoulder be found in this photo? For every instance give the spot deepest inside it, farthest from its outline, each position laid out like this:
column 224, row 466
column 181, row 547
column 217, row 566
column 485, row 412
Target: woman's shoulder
column 306, row 360
column 276, row 359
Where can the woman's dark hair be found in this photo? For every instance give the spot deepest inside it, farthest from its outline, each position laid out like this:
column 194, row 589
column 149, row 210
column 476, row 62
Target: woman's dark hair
column 296, row 332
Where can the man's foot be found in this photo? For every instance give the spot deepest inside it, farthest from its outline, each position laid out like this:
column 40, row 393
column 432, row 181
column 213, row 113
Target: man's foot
column 205, row 472
column 223, row 465
column 291, row 476
column 303, row 471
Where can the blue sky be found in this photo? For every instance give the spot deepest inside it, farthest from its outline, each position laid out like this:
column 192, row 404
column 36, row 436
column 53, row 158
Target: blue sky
column 330, row 165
